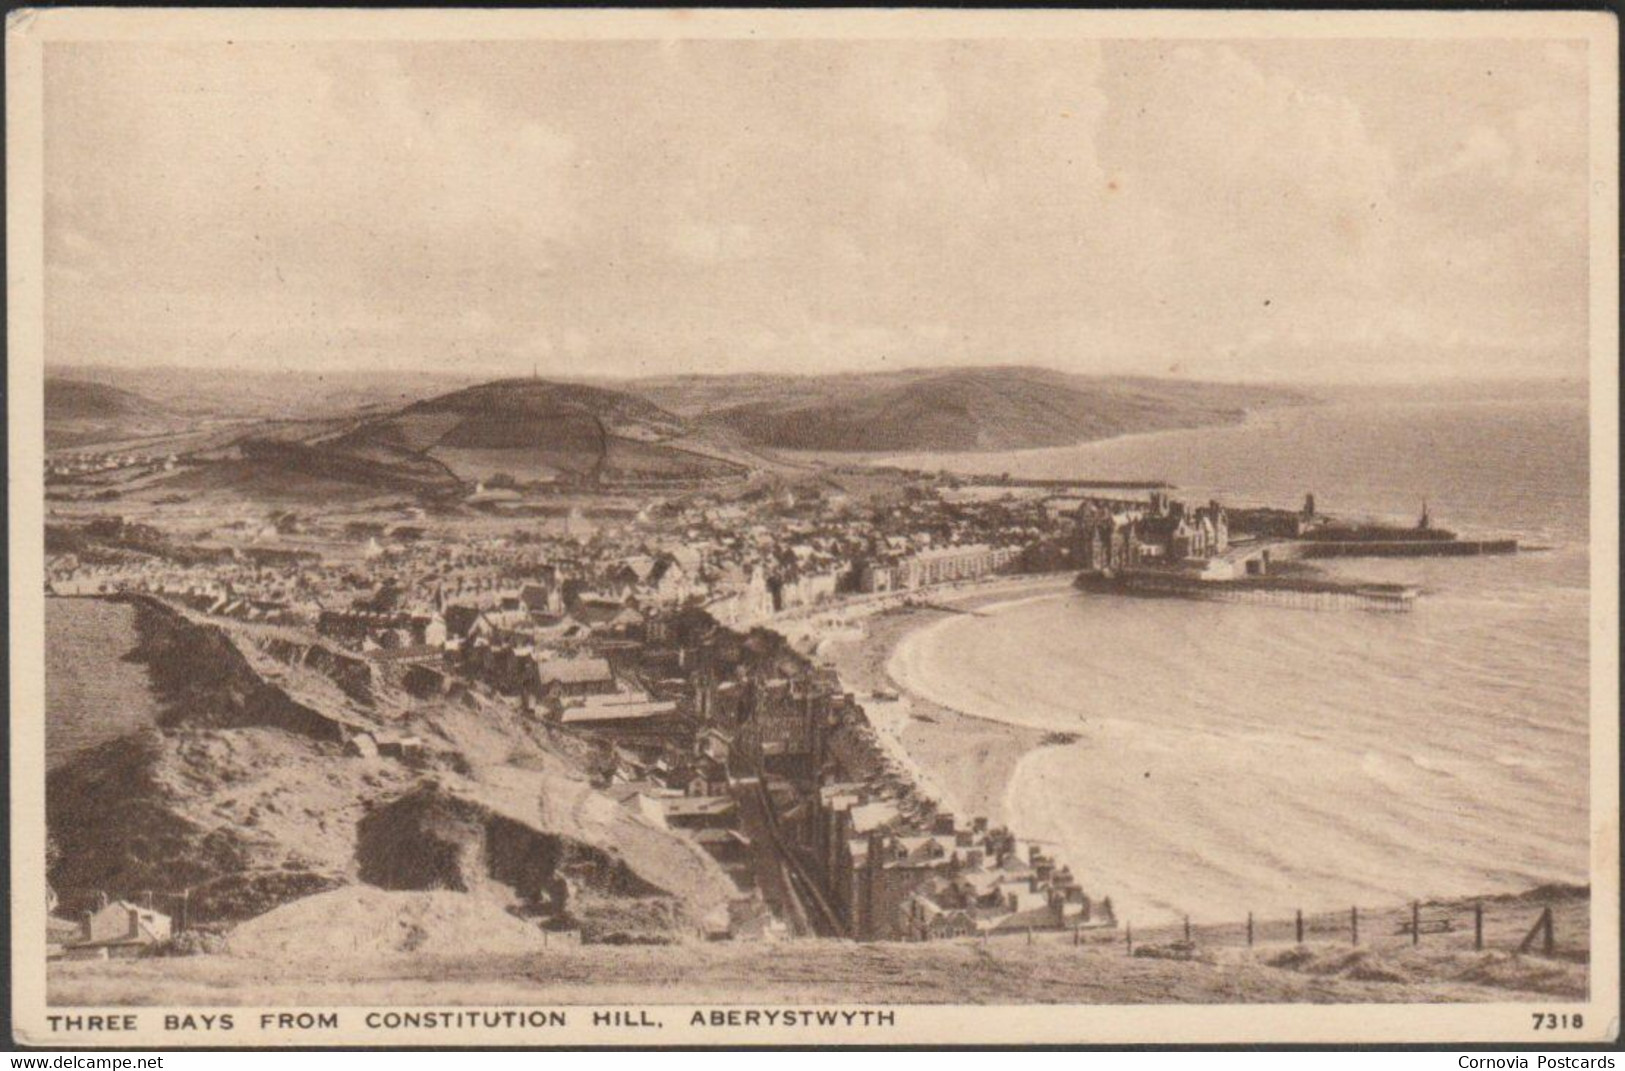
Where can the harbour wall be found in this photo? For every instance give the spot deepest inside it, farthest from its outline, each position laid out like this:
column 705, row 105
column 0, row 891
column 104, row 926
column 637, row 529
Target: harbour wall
column 1289, row 592
column 1403, row 548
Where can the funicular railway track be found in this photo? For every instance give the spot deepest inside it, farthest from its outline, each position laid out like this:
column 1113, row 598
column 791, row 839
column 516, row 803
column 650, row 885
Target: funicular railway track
column 820, row 915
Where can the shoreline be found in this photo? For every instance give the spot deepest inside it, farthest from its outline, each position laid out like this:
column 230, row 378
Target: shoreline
column 972, row 763
column 965, row 761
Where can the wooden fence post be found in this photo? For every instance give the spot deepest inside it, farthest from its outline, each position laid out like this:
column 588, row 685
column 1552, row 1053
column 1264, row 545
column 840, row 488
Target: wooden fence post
column 1416, row 922
column 1077, row 934
column 1300, row 925
column 1354, row 925
column 1187, row 929
column 1128, row 936
column 1544, row 929
column 1249, row 929
column 1478, row 926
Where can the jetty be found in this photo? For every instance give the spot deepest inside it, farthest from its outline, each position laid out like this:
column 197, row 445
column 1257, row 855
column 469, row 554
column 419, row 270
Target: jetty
column 1403, row 548
column 1314, row 595
column 1288, row 591
column 946, row 609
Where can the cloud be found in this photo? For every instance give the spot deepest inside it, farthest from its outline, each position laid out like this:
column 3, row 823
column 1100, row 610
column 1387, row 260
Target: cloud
column 636, row 206
column 1253, row 174
column 291, row 185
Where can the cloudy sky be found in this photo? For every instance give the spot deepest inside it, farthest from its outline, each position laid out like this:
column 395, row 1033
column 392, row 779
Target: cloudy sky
column 1242, row 210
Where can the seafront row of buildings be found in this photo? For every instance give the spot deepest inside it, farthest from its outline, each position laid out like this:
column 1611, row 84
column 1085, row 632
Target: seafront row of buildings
column 654, row 645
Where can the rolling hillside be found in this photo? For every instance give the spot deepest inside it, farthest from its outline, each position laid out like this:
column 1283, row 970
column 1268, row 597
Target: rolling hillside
column 82, row 413
column 950, row 409
column 648, row 433
column 248, row 391
column 73, row 399
column 532, row 429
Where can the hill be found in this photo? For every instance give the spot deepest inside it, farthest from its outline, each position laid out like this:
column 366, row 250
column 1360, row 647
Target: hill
column 507, row 432
column 74, row 399
column 84, row 413
column 489, row 406
column 533, row 429
column 1001, row 408
column 246, row 790
column 245, row 391
column 650, row 433
column 812, row 973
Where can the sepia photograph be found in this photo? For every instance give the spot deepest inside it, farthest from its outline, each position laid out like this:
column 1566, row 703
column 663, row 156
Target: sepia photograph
column 728, row 528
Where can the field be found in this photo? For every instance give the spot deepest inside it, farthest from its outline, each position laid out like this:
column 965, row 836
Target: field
column 997, row 972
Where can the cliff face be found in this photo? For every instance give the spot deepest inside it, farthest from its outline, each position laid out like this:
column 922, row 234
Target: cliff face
column 245, row 796
column 352, row 675
column 204, row 680
column 432, row 838
column 201, row 819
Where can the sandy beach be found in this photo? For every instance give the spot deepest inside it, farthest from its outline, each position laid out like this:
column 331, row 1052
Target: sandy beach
column 963, row 760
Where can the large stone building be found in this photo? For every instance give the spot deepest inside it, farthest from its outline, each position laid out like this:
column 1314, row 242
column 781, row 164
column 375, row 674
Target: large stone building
column 938, row 565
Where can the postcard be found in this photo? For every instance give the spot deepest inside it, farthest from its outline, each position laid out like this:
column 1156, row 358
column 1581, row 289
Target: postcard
column 847, row 527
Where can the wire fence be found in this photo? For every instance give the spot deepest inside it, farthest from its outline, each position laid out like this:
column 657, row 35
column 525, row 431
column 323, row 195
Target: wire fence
column 1557, row 927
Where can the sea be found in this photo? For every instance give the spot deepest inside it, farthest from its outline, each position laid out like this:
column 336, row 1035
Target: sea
column 1235, row 758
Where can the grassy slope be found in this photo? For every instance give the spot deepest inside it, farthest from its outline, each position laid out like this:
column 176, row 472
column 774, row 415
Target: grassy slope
column 270, row 392
column 949, row 409
column 73, row 399
column 530, row 428
column 700, row 418
column 1007, row 971
column 82, row 413
column 233, row 792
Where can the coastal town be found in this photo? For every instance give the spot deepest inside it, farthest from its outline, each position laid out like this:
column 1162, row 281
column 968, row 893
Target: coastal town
column 655, row 640
column 871, row 529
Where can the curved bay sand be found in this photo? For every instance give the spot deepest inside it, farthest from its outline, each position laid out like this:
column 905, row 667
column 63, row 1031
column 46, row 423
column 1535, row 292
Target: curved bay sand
column 965, row 760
